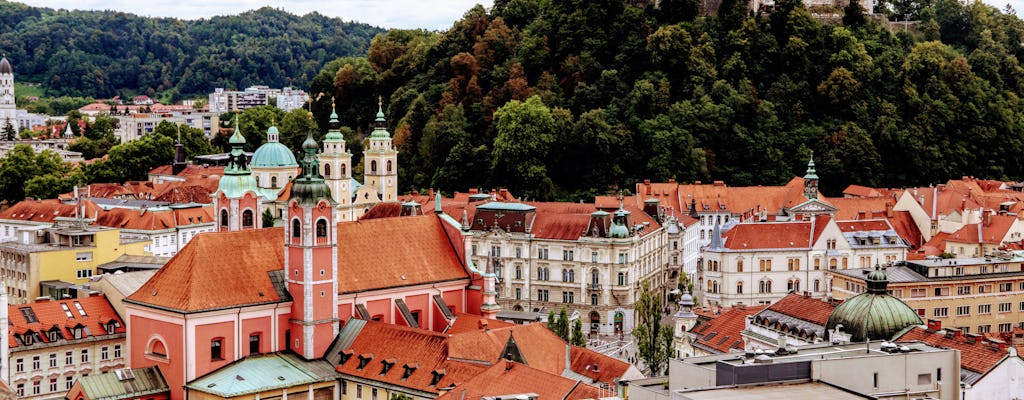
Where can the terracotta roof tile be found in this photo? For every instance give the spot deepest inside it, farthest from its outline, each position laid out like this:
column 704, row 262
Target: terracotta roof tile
column 373, row 254
column 469, row 323
column 864, row 225
column 608, row 368
column 805, row 308
column 861, row 208
column 510, row 377
column 977, row 357
column 728, row 324
column 193, row 279
column 861, row 191
column 45, row 211
column 993, row 232
column 389, row 252
column 905, row 226
column 52, row 313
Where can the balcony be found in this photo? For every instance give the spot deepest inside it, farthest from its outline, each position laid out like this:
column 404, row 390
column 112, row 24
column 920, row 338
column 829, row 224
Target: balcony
column 595, row 287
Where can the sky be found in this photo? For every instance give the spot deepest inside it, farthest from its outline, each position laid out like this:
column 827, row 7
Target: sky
column 404, row 14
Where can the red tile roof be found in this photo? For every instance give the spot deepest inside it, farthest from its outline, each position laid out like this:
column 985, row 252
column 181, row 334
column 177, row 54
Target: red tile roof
column 372, row 255
column 193, row 280
column 977, row 357
column 723, row 333
column 992, row 232
column 805, row 308
column 907, row 228
column 390, row 252
column 775, row 235
column 861, row 191
column 45, row 211
column 935, row 246
column 864, row 225
column 509, row 377
column 49, row 314
column 469, row 323
column 861, row 208
column 608, row 369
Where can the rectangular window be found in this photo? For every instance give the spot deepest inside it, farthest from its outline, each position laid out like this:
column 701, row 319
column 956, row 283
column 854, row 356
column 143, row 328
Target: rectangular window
column 942, row 291
column 984, row 328
column 940, row 312
column 963, row 310
column 83, row 256
column 53, row 384
column 622, row 258
column 117, row 351
column 35, row 363
column 984, row 309
column 216, row 351
column 19, row 364
column 984, row 288
column 1005, row 327
column 1005, row 287
column 85, row 355
column 373, row 394
column 254, row 344
column 593, row 256
column 53, row 360
column 104, row 353
column 495, row 251
column 921, row 292
column 519, row 252
column 519, row 293
column 924, row 379
column 35, row 387
column 1005, row 307
column 567, row 255
column 359, row 391
column 962, row 290
column 69, row 358
column 83, row 273
column 21, row 390
column 68, row 382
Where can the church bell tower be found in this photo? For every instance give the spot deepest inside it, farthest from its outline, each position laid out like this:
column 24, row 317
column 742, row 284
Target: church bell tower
column 381, row 164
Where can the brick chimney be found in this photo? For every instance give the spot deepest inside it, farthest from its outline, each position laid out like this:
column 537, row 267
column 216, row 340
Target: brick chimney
column 934, row 325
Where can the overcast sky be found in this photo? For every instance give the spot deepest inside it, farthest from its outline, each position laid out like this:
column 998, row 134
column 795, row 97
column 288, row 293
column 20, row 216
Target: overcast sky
column 429, row 14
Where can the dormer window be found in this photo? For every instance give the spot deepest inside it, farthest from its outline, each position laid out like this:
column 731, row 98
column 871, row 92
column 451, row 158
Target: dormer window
column 77, row 332
column 409, row 369
column 27, row 338
column 386, row 365
column 111, row 327
column 363, row 360
column 345, row 356
column 437, row 374
column 53, row 335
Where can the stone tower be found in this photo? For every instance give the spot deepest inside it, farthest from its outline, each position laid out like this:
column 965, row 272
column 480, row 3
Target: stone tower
column 7, row 110
column 380, row 167
column 237, row 201
column 336, row 163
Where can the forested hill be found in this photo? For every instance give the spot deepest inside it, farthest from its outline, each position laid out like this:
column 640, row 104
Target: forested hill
column 563, row 99
column 105, row 53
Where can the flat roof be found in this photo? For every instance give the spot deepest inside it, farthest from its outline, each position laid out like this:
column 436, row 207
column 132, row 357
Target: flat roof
column 960, row 262
column 779, row 391
column 824, row 351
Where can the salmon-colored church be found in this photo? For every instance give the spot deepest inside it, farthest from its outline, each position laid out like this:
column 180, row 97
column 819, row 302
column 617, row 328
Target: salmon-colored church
column 246, row 290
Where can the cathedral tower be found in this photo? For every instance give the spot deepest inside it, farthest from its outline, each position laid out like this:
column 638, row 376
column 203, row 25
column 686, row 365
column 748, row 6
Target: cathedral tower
column 336, row 163
column 237, row 201
column 311, row 259
column 7, row 110
column 380, row 167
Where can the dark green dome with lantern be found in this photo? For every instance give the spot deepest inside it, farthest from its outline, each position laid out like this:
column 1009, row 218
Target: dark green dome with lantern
column 309, row 187
column 872, row 315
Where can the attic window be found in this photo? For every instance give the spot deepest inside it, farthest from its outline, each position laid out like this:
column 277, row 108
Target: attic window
column 30, row 316
column 437, row 375
column 111, row 327
column 409, row 369
column 386, row 365
column 345, row 356
column 67, row 311
column 53, row 334
column 81, row 311
column 363, row 360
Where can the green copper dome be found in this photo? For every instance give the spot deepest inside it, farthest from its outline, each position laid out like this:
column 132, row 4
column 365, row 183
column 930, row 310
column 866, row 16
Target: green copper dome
column 235, row 186
column 237, row 138
column 273, row 154
column 873, row 315
column 811, row 172
column 237, row 177
column 333, row 134
column 380, row 126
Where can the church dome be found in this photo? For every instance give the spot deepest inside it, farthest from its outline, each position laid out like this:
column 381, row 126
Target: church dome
column 872, row 315
column 235, row 185
column 273, row 154
column 5, row 66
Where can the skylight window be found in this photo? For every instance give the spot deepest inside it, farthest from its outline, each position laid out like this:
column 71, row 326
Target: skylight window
column 81, row 311
column 67, row 311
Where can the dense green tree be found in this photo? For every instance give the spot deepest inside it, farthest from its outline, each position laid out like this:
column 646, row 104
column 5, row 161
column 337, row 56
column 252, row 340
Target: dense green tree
column 525, row 132
column 8, row 133
column 578, row 339
column 268, row 218
column 193, row 140
column 132, row 160
column 653, row 339
column 22, row 165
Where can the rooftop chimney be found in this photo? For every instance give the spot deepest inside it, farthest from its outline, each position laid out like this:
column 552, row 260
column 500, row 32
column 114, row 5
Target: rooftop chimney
column 934, row 325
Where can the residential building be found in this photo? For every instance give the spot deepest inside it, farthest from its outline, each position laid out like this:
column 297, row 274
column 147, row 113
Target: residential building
column 123, row 384
column 876, row 370
column 56, row 260
column 797, row 320
column 54, row 342
column 510, row 379
column 222, row 101
column 117, row 286
column 989, row 367
column 393, row 360
column 721, row 334
column 976, row 295
column 986, row 236
column 295, row 287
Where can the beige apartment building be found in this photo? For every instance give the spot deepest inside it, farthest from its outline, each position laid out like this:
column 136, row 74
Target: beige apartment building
column 977, row 295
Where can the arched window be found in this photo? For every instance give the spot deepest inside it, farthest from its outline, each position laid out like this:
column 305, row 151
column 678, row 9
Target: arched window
column 572, row 275
column 224, row 218
column 739, row 287
column 321, row 228
column 739, row 265
column 595, row 277
column 817, row 264
column 565, row 275
column 519, row 272
column 793, row 285
column 327, row 170
column 593, row 299
column 766, row 286
column 389, row 166
column 247, row 219
column 373, row 165
column 157, row 348
column 817, row 285
column 342, row 172
column 833, row 263
column 273, row 181
column 296, row 228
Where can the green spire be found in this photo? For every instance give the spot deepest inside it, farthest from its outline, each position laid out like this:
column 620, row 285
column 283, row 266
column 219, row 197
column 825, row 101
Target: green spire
column 237, row 138
column 237, row 164
column 309, row 187
column 333, row 134
column 380, row 126
column 811, row 172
